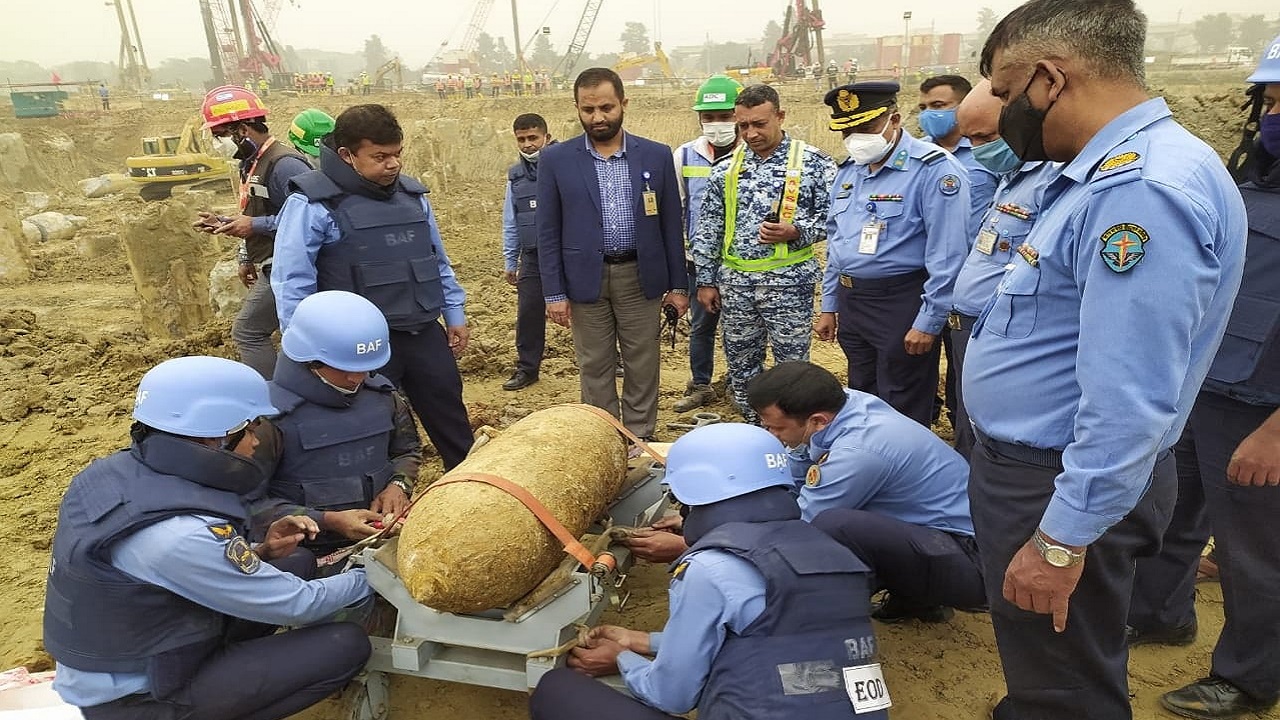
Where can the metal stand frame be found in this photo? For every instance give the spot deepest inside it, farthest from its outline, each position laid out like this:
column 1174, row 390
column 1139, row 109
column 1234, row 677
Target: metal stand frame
column 485, row 649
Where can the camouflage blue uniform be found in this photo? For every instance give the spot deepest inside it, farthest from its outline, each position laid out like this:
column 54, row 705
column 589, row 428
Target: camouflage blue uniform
column 769, row 307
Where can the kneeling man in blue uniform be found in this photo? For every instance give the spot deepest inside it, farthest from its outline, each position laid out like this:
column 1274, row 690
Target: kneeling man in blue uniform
column 881, row 484
column 156, row 606
column 769, row 616
column 349, row 450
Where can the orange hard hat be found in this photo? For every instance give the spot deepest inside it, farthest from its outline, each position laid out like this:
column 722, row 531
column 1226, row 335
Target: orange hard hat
column 228, row 104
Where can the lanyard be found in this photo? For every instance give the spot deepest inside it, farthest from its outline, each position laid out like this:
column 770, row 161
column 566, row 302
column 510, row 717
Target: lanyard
column 253, row 170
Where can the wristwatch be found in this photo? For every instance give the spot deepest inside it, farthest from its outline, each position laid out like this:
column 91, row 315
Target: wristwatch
column 1056, row 555
column 400, row 482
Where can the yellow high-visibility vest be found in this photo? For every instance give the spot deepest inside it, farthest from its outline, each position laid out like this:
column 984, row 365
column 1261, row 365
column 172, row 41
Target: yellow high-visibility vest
column 783, row 255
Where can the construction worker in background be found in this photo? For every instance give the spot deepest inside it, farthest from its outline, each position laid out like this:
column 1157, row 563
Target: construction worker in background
column 763, row 211
column 1002, row 229
column 495, row 84
column 440, row 89
column 104, row 95
column 1229, row 466
column 237, row 119
column 528, row 82
column 477, row 85
column 471, row 91
column 768, row 615
column 264, row 88
column 365, row 82
column 517, row 82
column 357, row 224
column 940, row 95
column 328, row 83
column 833, row 74
column 297, row 83
column 345, row 447
column 520, row 249
column 156, row 605
column 898, row 235
column 306, row 131
column 507, row 82
column 713, row 104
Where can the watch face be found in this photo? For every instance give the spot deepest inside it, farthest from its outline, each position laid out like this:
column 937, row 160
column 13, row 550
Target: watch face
column 1057, row 557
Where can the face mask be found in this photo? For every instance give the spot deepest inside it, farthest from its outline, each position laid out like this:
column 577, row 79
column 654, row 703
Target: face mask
column 245, row 149
column 1269, row 133
column 225, row 147
column 938, row 123
column 342, row 390
column 720, row 134
column 531, row 157
column 866, row 148
column 1023, row 126
column 996, row 156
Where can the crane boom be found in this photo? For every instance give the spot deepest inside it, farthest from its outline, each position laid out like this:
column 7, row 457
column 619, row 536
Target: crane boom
column 478, row 18
column 580, row 37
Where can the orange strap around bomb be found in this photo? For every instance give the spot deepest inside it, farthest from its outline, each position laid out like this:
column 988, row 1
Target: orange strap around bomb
column 659, row 458
column 540, row 511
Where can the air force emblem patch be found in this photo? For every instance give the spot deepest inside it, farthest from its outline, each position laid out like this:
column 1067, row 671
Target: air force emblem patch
column 1123, row 246
column 242, row 556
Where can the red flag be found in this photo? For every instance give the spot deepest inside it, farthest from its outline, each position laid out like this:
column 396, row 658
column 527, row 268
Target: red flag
column 56, row 78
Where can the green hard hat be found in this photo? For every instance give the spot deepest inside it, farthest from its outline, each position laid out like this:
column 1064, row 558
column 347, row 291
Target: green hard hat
column 717, row 93
column 307, row 128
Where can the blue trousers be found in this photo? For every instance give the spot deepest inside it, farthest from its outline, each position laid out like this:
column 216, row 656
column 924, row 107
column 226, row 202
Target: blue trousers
column 423, row 367
column 919, row 566
column 702, row 336
column 874, row 317
column 565, row 694
column 1247, row 538
column 531, row 314
column 1082, row 671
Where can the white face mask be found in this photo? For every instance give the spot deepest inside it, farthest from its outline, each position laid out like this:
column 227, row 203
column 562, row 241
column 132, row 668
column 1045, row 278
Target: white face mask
column 720, row 134
column 225, row 147
column 531, row 157
column 866, row 148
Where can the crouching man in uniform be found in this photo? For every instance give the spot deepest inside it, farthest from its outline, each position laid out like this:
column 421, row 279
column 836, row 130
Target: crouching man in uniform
column 769, row 616
column 156, row 606
column 349, row 450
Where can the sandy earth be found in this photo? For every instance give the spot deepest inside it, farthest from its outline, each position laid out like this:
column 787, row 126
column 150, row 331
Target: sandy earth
column 72, row 346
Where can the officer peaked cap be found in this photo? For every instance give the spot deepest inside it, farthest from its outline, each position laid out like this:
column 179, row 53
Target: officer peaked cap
column 853, row 105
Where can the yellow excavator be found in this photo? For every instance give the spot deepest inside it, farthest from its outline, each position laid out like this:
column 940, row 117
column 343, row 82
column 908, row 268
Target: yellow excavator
column 171, row 160
column 658, row 56
column 392, row 65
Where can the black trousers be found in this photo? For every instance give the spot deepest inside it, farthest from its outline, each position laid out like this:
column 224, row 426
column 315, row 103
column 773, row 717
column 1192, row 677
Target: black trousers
column 1246, row 535
column 531, row 314
column 955, row 343
column 423, row 366
column 565, row 694
column 1081, row 672
column 919, row 566
column 874, row 317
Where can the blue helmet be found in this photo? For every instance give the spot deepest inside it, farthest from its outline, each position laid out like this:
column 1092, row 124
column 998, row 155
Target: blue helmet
column 340, row 329
column 725, row 460
column 1269, row 69
column 201, row 396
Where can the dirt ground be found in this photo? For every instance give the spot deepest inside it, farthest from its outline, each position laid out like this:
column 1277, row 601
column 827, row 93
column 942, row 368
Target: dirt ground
column 73, row 346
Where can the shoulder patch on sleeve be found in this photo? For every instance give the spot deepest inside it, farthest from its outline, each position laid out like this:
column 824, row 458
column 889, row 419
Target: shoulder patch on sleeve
column 1115, row 162
column 949, row 184
column 222, row 531
column 1123, row 246
column 242, row 556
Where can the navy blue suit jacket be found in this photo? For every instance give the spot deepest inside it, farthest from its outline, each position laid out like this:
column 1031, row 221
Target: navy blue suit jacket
column 570, row 224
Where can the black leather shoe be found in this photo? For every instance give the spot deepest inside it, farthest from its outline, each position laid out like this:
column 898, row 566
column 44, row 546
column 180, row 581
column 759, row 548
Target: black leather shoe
column 1212, row 698
column 891, row 611
column 520, row 379
column 1175, row 636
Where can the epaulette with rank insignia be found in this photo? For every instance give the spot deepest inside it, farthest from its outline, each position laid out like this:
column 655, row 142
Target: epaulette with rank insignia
column 1122, row 165
column 933, row 157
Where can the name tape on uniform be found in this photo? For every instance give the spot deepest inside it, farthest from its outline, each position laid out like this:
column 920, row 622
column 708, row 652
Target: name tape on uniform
column 866, row 688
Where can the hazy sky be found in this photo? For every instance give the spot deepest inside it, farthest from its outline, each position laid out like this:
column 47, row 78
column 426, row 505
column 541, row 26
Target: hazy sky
column 55, row 31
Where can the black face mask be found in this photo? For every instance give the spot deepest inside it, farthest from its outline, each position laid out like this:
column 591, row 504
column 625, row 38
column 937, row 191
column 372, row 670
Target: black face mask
column 1022, row 126
column 247, row 149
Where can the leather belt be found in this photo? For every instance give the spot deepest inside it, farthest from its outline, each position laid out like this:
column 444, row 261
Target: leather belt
column 960, row 322
column 620, row 258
